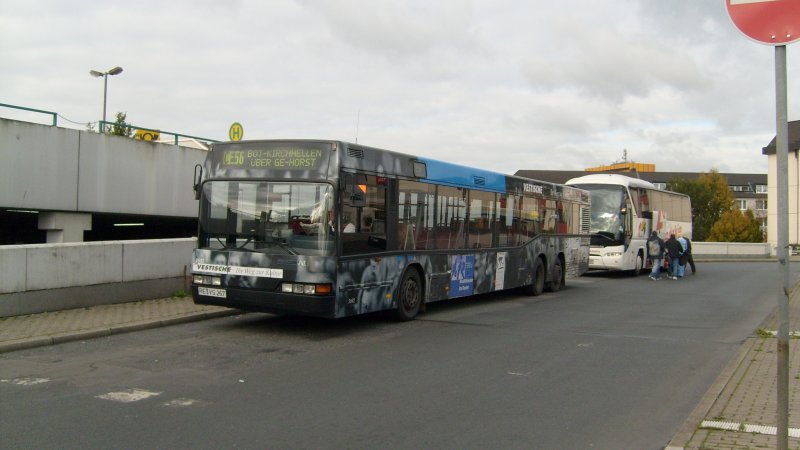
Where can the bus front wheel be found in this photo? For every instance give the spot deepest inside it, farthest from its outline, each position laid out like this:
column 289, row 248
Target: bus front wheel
column 537, row 282
column 638, row 269
column 409, row 295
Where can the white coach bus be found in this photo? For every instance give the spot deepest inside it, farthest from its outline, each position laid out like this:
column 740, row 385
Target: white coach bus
column 624, row 211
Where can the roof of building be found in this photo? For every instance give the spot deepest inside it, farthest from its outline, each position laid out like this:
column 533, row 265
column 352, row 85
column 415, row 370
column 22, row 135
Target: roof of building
column 794, row 139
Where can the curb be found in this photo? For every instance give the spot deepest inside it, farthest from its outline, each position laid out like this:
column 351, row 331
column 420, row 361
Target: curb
column 70, row 336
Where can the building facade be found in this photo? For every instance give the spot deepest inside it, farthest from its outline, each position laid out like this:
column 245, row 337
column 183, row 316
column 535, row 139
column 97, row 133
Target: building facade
column 794, row 188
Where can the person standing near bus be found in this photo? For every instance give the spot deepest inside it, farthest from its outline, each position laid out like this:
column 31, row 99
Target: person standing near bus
column 688, row 255
column 655, row 251
column 674, row 250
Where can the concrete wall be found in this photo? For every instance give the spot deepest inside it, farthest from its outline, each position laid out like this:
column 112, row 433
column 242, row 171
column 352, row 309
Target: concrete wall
column 49, row 168
column 731, row 250
column 49, row 277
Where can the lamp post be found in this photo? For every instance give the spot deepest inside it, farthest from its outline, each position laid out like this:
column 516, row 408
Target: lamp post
column 115, row 71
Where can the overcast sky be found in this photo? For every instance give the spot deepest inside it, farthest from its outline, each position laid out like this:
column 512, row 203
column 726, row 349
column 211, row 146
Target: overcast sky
column 500, row 84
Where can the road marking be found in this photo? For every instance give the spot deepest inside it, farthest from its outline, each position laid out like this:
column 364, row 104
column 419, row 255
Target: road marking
column 26, row 381
column 131, row 395
column 746, row 428
column 181, row 402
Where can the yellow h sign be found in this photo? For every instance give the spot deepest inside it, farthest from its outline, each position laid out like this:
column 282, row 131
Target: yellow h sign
column 236, row 132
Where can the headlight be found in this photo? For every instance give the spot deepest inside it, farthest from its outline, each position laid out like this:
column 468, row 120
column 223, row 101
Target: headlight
column 613, row 254
column 206, row 279
column 306, row 288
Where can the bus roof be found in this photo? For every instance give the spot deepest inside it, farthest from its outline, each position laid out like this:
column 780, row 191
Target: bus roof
column 611, row 178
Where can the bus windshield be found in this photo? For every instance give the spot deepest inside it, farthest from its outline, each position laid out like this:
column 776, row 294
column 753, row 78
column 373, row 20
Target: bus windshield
column 607, row 202
column 276, row 218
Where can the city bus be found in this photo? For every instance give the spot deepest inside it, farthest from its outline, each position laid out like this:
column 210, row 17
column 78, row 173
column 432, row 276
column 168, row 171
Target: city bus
column 624, row 212
column 334, row 229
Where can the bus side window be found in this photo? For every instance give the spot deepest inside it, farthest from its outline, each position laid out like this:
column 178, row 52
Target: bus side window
column 363, row 216
column 415, row 228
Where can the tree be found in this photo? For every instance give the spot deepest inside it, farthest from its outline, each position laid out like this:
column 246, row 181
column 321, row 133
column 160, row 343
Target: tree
column 710, row 199
column 735, row 226
column 120, row 127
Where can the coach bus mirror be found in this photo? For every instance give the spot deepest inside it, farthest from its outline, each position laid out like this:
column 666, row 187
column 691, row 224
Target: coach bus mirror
column 198, row 176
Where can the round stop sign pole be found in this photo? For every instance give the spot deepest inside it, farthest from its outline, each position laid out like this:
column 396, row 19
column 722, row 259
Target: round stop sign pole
column 777, row 23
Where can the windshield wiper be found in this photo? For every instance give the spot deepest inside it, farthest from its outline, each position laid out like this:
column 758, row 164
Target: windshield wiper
column 606, row 235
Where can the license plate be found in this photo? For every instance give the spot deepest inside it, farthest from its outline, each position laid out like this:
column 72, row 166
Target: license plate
column 211, row 292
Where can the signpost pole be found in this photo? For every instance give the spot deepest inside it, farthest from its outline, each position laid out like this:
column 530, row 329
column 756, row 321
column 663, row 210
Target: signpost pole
column 782, row 153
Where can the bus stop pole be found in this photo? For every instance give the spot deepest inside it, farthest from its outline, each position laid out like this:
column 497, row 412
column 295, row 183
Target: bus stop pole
column 782, row 252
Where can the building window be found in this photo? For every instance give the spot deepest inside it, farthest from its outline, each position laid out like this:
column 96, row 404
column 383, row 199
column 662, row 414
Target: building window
column 761, row 205
column 761, row 189
column 661, row 186
column 741, row 204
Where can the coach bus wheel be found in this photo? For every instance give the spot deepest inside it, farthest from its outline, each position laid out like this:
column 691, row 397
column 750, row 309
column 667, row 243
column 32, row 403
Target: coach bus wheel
column 556, row 278
column 409, row 296
column 537, row 283
column 638, row 269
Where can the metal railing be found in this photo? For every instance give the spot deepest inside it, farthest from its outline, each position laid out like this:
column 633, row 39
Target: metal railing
column 23, row 108
column 153, row 132
column 148, row 134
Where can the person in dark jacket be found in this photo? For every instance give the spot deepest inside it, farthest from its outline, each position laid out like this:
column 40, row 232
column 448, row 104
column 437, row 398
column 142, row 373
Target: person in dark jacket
column 674, row 250
column 655, row 251
column 688, row 255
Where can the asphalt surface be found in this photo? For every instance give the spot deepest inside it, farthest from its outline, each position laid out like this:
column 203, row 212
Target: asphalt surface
column 737, row 411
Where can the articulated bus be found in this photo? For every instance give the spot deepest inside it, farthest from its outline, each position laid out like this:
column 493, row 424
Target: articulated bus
column 334, row 229
column 624, row 211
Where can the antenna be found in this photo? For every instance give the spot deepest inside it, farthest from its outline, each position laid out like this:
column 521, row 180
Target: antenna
column 358, row 122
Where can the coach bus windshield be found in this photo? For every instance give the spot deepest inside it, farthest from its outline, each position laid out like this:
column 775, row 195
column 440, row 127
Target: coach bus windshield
column 607, row 223
column 267, row 217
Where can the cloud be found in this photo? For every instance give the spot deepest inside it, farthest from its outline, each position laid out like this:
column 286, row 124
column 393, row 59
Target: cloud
column 501, row 84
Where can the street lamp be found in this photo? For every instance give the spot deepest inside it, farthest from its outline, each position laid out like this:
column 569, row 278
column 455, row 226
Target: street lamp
column 115, row 71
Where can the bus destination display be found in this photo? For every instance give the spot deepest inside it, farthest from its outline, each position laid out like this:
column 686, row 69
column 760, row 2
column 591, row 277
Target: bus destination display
column 287, row 158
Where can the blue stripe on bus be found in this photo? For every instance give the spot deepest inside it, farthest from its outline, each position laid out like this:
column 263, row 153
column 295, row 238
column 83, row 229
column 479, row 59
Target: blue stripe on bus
column 455, row 175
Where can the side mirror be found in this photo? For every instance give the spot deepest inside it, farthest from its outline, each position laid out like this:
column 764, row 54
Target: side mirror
column 198, row 176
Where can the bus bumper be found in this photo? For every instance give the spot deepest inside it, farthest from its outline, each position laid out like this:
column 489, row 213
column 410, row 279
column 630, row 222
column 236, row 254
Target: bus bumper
column 604, row 262
column 269, row 302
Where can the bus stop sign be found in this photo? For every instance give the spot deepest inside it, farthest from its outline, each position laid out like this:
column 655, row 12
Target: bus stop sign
column 771, row 22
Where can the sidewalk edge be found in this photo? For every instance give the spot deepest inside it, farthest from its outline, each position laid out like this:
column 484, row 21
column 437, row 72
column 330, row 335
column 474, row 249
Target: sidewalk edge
column 41, row 341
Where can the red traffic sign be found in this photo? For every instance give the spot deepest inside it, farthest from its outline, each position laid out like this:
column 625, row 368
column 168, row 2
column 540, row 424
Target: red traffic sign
column 771, row 22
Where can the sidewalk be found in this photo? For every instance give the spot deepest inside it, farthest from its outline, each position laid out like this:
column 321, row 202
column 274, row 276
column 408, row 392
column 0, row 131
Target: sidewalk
column 736, row 412
column 739, row 411
column 35, row 330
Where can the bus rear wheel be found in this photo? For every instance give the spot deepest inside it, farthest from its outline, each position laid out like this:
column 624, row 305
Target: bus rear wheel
column 409, row 296
column 556, row 278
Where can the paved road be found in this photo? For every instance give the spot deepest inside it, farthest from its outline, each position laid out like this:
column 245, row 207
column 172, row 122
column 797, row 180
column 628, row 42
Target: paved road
column 609, row 362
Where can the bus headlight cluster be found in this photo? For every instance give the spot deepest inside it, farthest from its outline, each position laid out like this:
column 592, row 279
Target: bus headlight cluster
column 207, row 279
column 613, row 254
column 306, row 288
